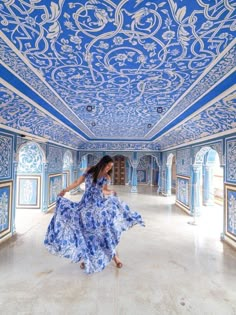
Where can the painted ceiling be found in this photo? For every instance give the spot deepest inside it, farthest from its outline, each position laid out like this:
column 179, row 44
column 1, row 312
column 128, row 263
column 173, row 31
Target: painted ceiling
column 141, row 74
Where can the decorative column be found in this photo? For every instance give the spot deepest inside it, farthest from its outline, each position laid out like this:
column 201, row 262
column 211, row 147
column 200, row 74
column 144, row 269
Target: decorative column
column 159, row 180
column 208, row 186
column 195, row 191
column 130, row 174
column 149, row 177
column 15, row 165
column 168, row 180
column 134, row 178
column 127, row 172
column 45, row 187
column 151, row 171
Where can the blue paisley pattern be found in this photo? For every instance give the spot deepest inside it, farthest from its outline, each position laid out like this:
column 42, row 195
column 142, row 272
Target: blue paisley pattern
column 89, row 230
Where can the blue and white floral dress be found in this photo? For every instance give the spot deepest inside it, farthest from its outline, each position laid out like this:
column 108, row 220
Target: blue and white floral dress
column 89, row 230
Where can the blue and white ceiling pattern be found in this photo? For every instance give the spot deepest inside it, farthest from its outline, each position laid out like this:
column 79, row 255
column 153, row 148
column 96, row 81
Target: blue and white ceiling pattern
column 117, row 74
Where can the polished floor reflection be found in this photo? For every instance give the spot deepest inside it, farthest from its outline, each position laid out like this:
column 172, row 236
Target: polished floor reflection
column 170, row 268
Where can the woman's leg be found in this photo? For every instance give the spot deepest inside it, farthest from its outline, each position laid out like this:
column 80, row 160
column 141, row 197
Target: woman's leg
column 117, row 262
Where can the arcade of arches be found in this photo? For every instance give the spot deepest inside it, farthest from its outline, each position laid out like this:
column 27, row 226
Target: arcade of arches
column 186, row 193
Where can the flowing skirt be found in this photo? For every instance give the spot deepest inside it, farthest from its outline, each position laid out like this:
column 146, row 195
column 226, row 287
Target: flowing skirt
column 89, row 231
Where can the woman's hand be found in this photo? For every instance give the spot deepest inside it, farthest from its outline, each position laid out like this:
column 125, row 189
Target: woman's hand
column 62, row 193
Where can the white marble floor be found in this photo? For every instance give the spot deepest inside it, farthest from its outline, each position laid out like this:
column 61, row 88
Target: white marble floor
column 170, row 267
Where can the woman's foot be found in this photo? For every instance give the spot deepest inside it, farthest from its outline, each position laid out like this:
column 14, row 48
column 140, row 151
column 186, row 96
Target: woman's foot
column 82, row 265
column 118, row 262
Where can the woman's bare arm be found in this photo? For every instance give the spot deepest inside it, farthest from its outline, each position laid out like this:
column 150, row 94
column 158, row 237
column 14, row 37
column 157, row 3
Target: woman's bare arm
column 76, row 183
column 107, row 191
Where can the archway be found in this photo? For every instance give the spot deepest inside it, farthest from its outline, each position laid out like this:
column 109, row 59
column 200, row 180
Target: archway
column 119, row 174
column 208, row 195
column 30, row 160
column 148, row 171
column 67, row 169
column 173, row 176
column 170, row 175
column 145, row 171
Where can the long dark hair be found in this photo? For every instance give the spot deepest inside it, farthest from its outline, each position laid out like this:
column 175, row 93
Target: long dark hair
column 99, row 167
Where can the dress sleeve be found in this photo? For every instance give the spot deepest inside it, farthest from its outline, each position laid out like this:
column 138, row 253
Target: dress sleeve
column 107, row 181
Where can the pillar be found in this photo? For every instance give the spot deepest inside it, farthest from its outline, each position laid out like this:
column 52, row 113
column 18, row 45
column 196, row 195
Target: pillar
column 159, row 180
column 45, row 187
column 168, row 180
column 195, row 185
column 15, row 164
column 134, row 178
column 208, row 186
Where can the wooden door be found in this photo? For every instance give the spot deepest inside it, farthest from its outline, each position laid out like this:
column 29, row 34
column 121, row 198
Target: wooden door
column 119, row 170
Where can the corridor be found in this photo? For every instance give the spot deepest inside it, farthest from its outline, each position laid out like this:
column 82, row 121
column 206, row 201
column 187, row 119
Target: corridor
column 170, row 268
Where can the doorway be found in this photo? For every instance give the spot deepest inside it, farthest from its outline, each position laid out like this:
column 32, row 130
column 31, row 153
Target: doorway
column 119, row 170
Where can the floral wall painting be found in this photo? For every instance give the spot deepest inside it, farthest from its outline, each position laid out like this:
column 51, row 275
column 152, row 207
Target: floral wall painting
column 5, row 208
column 28, row 192
column 55, row 186
column 183, row 192
column 230, row 211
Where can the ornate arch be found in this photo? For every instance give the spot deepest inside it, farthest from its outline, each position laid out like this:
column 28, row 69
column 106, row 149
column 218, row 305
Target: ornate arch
column 156, row 156
column 30, row 157
column 199, row 157
column 199, row 152
column 67, row 159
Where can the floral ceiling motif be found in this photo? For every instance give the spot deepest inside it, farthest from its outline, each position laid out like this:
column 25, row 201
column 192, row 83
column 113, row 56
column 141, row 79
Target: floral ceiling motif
column 118, row 70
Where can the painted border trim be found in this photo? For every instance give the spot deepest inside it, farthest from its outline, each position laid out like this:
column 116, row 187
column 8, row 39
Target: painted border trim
column 38, row 192
column 182, row 205
column 9, row 229
column 227, row 189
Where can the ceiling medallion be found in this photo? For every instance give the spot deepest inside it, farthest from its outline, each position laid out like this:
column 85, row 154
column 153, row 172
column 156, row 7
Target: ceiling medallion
column 89, row 108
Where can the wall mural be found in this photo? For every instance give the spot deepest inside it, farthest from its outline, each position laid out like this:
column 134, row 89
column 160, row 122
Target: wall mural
column 120, row 66
column 28, row 192
column 12, row 60
column 67, row 160
column 106, row 146
column 183, row 192
column 183, row 161
column 231, row 160
column 30, row 159
column 219, row 117
column 55, row 186
column 221, row 69
column 5, row 208
column 6, row 155
column 143, row 168
column 142, row 176
column 55, row 159
column 16, row 112
column 230, row 211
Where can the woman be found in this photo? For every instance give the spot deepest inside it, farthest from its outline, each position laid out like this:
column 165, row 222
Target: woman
column 89, row 230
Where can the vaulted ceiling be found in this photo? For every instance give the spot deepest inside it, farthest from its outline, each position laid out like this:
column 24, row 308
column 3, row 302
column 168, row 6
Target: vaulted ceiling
column 105, row 74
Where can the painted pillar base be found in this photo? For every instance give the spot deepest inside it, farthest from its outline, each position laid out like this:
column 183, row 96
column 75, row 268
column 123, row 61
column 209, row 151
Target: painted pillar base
column 209, row 203
column 134, row 189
